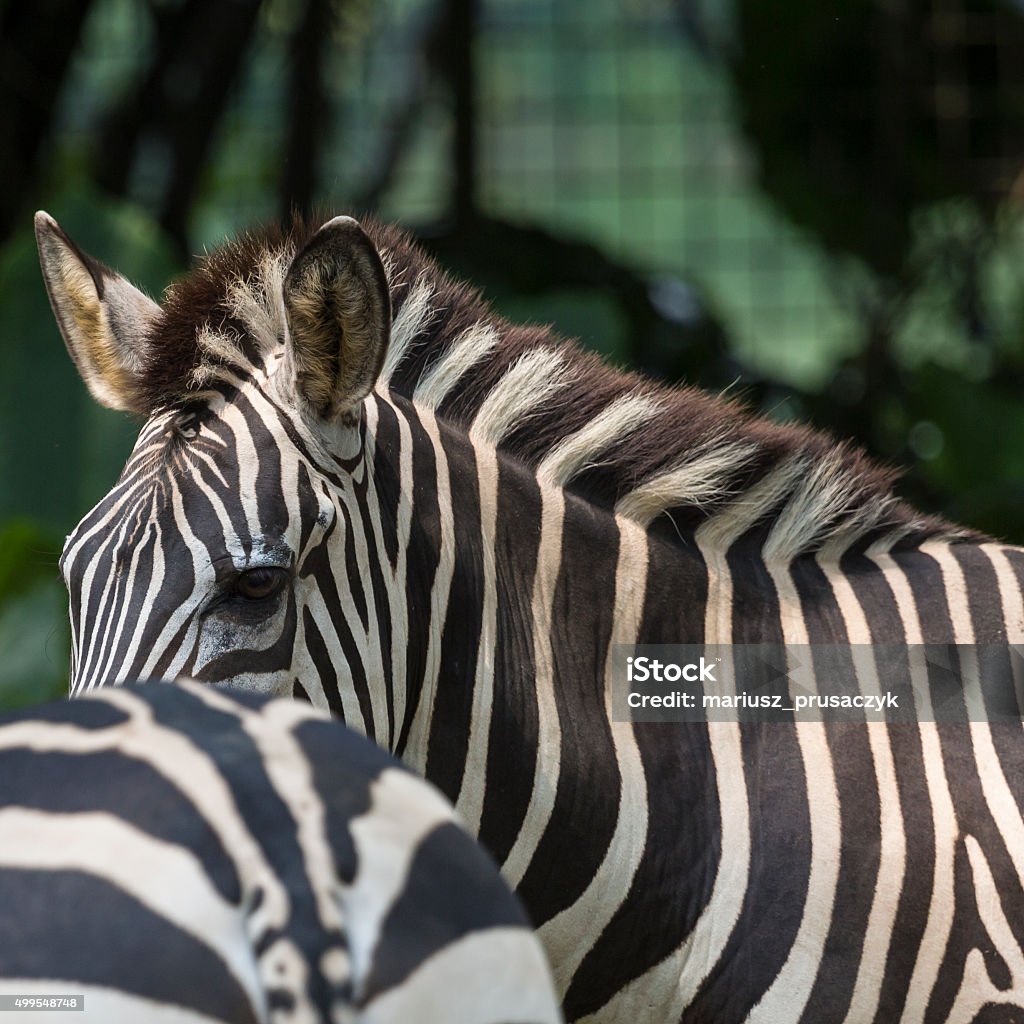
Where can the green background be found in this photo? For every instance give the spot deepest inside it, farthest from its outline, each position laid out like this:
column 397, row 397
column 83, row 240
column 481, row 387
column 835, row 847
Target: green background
column 817, row 207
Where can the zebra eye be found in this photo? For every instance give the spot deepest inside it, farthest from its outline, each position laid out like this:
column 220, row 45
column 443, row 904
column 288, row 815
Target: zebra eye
column 259, row 584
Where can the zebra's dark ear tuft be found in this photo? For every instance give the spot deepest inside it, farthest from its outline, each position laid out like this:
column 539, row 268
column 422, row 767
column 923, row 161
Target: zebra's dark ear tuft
column 103, row 317
column 338, row 306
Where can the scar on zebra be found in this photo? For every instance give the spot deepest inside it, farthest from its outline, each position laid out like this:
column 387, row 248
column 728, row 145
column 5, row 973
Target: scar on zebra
column 356, row 482
column 184, row 854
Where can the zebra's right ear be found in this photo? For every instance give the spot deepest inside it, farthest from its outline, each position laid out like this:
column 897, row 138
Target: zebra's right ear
column 338, row 306
column 103, row 317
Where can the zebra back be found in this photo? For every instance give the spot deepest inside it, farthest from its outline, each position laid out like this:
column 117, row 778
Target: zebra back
column 179, row 853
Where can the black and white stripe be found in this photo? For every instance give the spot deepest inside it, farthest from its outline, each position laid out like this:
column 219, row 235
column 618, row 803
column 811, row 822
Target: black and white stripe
column 194, row 855
column 480, row 530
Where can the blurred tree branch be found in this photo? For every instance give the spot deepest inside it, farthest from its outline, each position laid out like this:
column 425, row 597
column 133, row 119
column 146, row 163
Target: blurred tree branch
column 530, row 260
column 427, row 60
column 461, row 72
column 308, row 123
column 170, row 116
column 37, row 42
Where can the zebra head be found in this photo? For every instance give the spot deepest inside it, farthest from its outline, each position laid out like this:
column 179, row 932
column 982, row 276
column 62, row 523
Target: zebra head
column 236, row 512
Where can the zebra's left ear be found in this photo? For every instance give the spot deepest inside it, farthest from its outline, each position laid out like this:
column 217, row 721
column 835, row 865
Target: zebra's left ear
column 338, row 306
column 104, row 318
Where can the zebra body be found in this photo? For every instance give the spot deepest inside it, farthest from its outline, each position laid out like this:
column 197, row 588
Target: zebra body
column 478, row 513
column 194, row 855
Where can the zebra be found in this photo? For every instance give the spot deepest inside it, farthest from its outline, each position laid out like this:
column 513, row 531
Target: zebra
column 192, row 854
column 352, row 470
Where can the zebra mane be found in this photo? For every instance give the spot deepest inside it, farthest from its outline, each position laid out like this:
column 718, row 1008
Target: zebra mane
column 622, row 441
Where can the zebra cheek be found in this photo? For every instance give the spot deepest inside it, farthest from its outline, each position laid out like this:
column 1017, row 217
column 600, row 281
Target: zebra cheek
column 247, row 647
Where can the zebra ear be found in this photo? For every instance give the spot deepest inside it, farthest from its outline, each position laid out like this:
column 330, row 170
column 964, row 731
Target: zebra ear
column 338, row 307
column 102, row 317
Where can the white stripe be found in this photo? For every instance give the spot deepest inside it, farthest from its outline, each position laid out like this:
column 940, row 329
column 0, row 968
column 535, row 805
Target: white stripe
column 327, row 623
column 471, row 794
column 527, row 385
column 468, row 349
column 288, row 769
column 248, row 460
column 93, row 649
column 394, row 579
column 415, row 753
column 789, row 992
column 582, row 450
column 203, row 576
column 827, row 495
column 571, row 934
column 940, row 910
column 369, row 642
column 976, row 987
column 702, row 478
column 1012, row 601
column 107, row 672
column 549, row 734
column 892, row 862
column 403, row 811
column 483, row 978
column 667, row 989
column 722, row 530
column 183, row 765
column 411, row 320
column 998, row 795
column 164, row 877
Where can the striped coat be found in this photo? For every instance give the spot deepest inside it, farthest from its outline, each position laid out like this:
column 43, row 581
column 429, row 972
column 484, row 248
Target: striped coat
column 352, row 471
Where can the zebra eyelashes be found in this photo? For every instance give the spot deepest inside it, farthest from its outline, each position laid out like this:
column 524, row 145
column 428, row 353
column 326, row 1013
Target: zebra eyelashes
column 260, row 584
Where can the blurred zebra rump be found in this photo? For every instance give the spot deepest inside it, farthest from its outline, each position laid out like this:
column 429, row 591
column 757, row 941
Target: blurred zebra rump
column 192, row 855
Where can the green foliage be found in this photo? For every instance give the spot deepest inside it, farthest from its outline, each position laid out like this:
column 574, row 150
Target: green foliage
column 823, row 193
column 60, row 452
column 34, row 640
column 971, row 450
column 862, row 112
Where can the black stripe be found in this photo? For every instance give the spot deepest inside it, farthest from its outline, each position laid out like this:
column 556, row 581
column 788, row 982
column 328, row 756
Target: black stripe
column 886, row 627
column 925, row 581
column 379, row 588
column 779, row 817
column 460, row 640
column 342, row 767
column 227, row 461
column 88, row 714
column 860, row 823
column 676, row 873
column 119, row 944
column 137, row 611
column 271, row 503
column 387, row 478
column 512, row 745
column 423, row 557
column 452, row 890
column 124, row 787
column 587, row 796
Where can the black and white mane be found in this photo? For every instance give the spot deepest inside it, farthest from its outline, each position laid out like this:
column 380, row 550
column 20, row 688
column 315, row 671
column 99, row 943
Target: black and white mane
column 673, row 451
